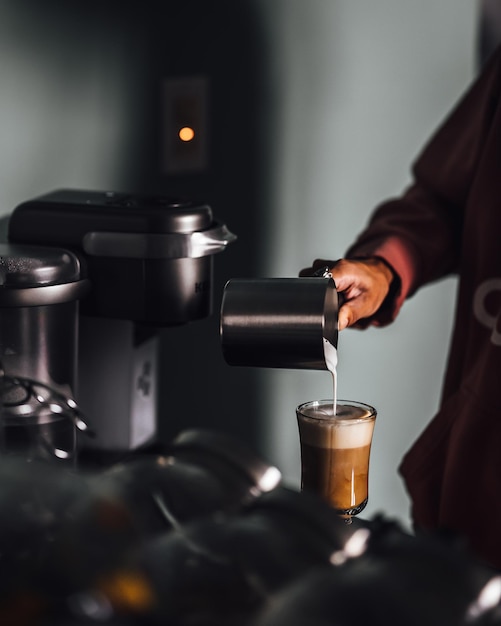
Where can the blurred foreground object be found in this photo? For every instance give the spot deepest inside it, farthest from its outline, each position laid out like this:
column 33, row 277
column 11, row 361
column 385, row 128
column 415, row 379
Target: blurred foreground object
column 207, row 535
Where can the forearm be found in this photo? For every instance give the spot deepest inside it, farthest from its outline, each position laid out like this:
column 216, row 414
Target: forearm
column 420, row 233
column 416, row 239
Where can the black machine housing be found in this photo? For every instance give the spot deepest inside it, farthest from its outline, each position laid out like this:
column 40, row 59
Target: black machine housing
column 149, row 257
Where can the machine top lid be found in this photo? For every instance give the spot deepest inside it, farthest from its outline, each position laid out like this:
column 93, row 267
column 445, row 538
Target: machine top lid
column 36, row 266
column 63, row 217
column 39, row 276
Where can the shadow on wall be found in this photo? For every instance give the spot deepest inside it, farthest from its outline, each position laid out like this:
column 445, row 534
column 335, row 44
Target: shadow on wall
column 489, row 30
column 221, row 41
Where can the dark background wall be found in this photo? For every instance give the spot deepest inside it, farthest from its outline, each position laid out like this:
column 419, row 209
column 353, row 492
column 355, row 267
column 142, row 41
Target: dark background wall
column 223, row 42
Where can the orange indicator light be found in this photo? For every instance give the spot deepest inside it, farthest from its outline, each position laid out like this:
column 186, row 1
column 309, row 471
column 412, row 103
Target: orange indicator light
column 186, row 133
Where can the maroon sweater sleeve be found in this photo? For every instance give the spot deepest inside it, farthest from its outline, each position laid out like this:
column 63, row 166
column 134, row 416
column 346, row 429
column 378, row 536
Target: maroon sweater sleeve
column 419, row 234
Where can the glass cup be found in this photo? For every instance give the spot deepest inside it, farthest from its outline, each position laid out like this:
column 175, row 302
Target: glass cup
column 335, row 452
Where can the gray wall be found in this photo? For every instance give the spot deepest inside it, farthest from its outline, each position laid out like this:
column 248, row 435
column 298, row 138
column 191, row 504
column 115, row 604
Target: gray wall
column 68, row 96
column 356, row 89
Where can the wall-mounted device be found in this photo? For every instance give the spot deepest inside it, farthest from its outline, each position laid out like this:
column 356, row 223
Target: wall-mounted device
column 185, row 140
column 149, row 262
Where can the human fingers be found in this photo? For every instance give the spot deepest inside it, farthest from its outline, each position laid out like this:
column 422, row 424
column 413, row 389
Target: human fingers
column 357, row 312
column 365, row 284
column 316, row 266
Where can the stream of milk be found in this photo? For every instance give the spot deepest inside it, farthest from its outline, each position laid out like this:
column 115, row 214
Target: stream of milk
column 330, row 355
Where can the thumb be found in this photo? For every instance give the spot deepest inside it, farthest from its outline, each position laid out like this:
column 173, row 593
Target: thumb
column 346, row 316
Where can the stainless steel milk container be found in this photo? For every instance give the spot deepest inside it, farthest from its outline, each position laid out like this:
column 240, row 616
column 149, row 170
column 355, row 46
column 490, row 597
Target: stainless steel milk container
column 279, row 322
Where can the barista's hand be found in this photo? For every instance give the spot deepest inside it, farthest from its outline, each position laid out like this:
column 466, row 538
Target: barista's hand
column 365, row 283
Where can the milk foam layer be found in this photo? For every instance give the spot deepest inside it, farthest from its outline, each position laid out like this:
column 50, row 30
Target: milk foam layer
column 351, row 427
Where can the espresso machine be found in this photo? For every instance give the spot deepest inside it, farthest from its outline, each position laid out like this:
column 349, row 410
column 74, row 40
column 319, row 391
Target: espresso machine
column 138, row 263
